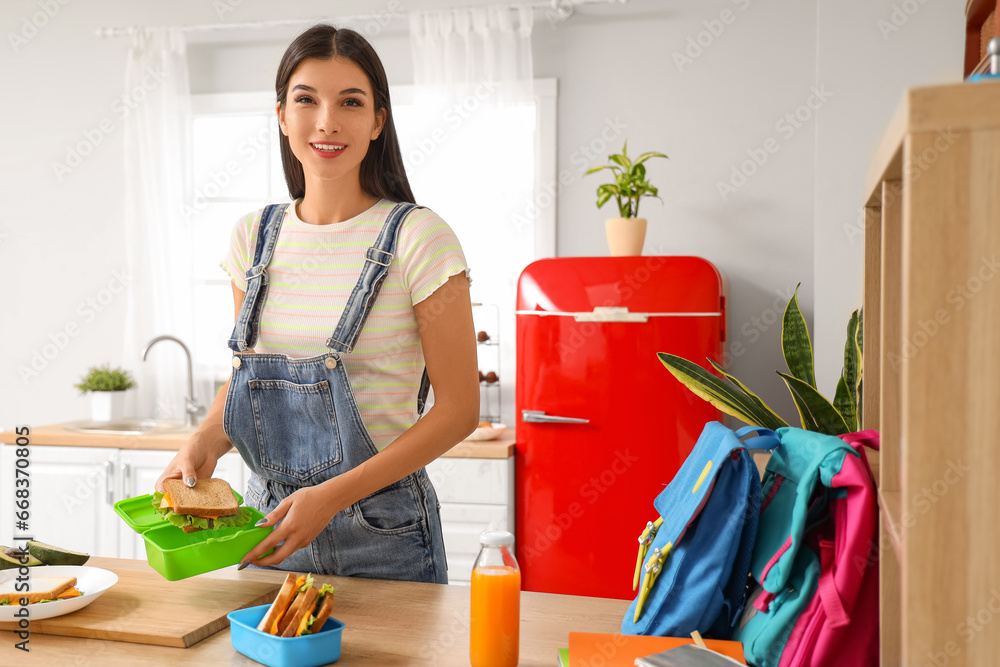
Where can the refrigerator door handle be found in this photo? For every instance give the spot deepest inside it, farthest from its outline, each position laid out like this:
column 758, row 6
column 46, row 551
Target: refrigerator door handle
column 609, row 314
column 539, row 417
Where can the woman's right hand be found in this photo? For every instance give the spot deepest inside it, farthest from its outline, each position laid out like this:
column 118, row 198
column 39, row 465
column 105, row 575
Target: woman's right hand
column 192, row 463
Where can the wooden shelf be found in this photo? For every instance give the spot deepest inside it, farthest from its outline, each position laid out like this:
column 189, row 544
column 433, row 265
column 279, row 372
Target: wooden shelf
column 932, row 356
column 888, row 503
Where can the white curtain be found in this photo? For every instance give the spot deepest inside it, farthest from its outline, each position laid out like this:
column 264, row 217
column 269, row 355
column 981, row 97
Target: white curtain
column 469, row 141
column 158, row 234
column 472, row 51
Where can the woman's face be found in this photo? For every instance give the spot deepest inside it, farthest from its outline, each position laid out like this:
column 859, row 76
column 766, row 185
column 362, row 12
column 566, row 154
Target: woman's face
column 329, row 117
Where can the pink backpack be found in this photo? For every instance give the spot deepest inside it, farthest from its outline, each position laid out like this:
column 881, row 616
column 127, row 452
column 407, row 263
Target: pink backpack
column 816, row 557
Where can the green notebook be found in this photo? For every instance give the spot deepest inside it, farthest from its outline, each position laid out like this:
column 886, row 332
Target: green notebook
column 563, row 660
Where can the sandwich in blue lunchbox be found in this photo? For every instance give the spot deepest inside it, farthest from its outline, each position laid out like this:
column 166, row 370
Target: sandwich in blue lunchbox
column 299, row 608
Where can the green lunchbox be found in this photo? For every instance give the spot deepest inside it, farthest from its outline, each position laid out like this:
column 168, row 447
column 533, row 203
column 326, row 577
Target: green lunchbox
column 179, row 555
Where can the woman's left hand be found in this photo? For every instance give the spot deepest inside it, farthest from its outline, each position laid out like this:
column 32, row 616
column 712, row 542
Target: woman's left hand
column 303, row 515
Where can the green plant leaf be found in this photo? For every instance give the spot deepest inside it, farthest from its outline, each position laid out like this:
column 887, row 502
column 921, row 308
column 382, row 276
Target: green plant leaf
column 638, row 173
column 816, row 413
column 795, row 343
column 645, row 156
column 859, row 390
column 761, row 405
column 622, row 160
column 718, row 393
column 596, row 169
column 843, row 404
column 603, row 198
column 846, row 398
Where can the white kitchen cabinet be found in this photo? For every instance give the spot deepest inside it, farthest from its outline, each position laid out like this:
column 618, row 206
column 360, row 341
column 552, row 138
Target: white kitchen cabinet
column 74, row 489
column 475, row 495
column 71, row 489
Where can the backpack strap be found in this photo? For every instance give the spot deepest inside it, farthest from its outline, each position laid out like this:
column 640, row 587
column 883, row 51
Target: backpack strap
column 765, row 440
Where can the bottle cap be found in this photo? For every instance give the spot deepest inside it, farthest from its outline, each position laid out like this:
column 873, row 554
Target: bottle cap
column 496, row 538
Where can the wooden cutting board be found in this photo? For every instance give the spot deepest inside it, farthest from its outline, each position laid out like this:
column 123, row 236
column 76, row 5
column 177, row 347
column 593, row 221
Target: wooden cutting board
column 145, row 608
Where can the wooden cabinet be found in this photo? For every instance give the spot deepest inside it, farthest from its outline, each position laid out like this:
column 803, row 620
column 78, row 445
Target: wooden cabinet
column 932, row 374
column 475, row 495
column 74, row 489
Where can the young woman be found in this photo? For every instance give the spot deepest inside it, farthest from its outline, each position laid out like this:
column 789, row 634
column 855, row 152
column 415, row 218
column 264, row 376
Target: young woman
column 343, row 298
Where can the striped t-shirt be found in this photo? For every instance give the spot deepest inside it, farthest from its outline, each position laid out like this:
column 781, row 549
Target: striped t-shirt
column 311, row 274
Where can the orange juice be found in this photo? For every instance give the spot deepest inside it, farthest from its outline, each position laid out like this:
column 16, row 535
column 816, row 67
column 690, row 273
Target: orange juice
column 496, row 616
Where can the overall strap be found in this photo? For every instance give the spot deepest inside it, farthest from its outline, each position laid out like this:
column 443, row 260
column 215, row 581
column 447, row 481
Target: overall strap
column 248, row 323
column 373, row 273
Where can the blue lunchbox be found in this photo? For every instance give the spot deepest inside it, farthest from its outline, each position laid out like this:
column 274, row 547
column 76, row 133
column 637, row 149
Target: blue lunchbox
column 312, row 650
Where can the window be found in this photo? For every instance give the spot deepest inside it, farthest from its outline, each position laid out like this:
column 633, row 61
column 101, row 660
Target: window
column 484, row 174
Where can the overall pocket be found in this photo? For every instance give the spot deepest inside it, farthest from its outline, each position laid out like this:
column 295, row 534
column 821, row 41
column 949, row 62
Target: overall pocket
column 391, row 511
column 297, row 433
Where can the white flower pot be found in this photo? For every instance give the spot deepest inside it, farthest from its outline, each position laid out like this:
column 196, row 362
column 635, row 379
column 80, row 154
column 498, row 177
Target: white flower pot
column 107, row 406
column 625, row 236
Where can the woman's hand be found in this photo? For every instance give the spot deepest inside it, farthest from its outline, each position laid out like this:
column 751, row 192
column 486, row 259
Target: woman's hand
column 192, row 463
column 303, row 515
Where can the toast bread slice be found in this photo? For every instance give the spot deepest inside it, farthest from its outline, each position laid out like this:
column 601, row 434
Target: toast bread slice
column 42, row 588
column 280, row 604
column 322, row 613
column 294, row 626
column 208, row 497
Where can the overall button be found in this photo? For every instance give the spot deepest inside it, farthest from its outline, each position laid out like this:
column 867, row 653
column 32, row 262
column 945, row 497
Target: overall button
column 236, row 362
column 331, row 363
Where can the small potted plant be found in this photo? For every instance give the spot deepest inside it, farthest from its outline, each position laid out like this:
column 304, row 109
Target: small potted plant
column 107, row 386
column 627, row 233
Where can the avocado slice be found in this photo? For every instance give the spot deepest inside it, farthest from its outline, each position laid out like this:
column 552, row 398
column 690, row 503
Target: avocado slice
column 51, row 555
column 10, row 558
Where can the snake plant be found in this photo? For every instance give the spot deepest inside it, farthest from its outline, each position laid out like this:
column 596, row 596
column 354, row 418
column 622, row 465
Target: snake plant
column 816, row 413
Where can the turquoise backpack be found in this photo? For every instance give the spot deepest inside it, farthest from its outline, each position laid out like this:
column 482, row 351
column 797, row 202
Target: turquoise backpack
column 814, row 596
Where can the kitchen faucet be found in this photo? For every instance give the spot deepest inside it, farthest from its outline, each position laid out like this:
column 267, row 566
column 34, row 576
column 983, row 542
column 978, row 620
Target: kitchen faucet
column 191, row 407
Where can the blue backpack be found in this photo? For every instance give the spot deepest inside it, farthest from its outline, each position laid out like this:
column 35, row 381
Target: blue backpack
column 693, row 564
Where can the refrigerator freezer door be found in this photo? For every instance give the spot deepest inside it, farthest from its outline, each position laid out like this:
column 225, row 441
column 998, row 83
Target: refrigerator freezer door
column 584, row 491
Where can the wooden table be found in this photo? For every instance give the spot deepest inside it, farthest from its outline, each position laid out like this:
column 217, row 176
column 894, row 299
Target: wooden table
column 387, row 623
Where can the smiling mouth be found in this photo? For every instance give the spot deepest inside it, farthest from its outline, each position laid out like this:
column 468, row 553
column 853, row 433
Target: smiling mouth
column 328, row 148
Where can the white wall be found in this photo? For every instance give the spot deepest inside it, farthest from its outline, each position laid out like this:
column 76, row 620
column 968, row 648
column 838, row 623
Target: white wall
column 61, row 240
column 869, row 53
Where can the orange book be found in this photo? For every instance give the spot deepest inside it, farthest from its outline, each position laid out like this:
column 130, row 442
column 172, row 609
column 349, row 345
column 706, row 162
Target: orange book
column 589, row 649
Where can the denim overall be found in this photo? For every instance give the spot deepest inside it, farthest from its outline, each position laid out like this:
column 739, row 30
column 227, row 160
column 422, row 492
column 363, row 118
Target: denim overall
column 296, row 424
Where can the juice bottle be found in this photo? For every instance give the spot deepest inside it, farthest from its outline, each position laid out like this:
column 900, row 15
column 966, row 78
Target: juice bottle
column 496, row 603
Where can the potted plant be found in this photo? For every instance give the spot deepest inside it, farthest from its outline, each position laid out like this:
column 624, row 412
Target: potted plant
column 627, row 233
column 107, row 386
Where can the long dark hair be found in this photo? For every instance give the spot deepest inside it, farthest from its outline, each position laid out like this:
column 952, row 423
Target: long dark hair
column 382, row 171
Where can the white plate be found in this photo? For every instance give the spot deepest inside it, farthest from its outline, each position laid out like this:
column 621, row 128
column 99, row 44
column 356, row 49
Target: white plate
column 91, row 581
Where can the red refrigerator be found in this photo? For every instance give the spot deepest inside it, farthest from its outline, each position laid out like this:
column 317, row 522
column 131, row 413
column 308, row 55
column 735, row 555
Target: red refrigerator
column 602, row 425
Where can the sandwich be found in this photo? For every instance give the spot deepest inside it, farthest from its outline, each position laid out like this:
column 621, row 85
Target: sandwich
column 207, row 505
column 299, row 608
column 41, row 589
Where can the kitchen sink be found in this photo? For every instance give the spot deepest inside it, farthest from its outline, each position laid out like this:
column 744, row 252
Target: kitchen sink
column 128, row 426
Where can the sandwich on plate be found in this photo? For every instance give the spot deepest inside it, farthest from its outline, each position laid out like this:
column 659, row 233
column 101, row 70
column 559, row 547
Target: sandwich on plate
column 299, row 608
column 207, row 505
column 41, row 589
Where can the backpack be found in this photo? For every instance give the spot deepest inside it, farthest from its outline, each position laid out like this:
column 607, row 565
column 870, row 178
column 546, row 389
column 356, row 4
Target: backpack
column 815, row 570
column 691, row 572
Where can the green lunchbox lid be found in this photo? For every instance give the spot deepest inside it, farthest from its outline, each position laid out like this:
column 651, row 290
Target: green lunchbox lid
column 178, row 555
